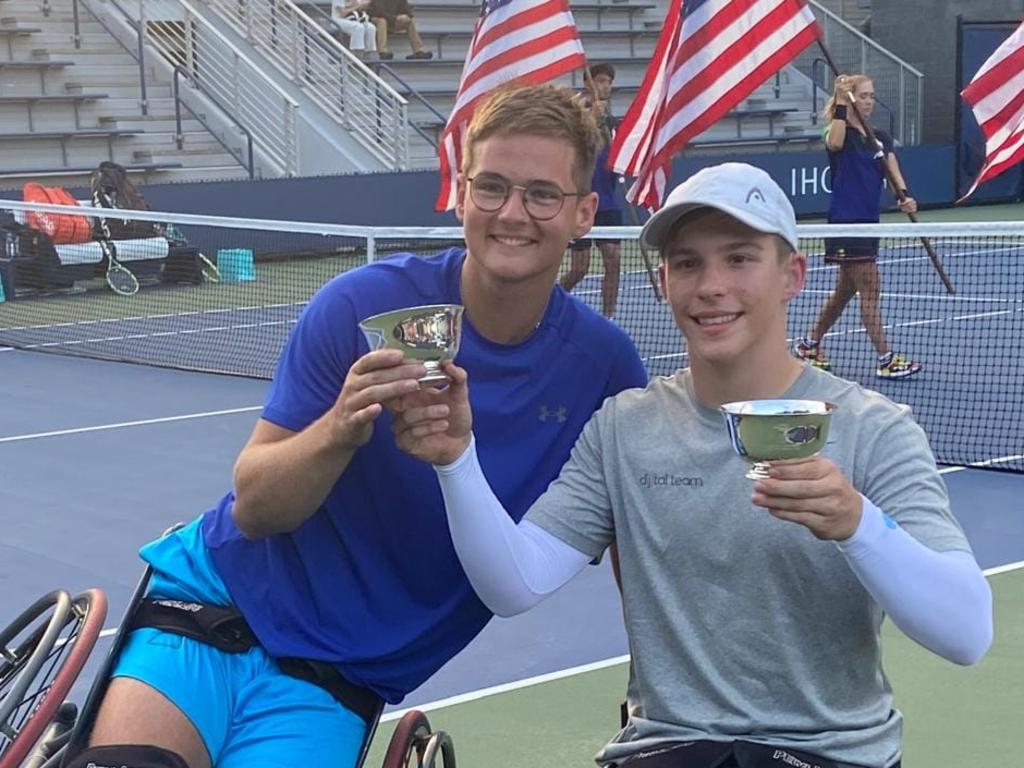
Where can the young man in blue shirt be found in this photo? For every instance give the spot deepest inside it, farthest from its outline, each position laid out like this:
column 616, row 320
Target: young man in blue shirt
column 333, row 544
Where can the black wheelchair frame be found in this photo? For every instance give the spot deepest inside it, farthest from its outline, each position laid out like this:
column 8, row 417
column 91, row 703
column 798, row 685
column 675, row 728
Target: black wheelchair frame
column 49, row 645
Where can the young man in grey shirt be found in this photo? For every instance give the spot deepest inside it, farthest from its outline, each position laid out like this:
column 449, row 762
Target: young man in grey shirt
column 753, row 608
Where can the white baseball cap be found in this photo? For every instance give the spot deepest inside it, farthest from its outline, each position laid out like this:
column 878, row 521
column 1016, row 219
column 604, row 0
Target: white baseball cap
column 743, row 191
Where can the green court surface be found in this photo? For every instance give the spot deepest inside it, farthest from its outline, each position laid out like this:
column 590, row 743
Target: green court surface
column 954, row 716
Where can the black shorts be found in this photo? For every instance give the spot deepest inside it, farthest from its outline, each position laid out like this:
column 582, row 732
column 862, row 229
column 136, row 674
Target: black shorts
column 611, row 218
column 843, row 250
column 737, row 754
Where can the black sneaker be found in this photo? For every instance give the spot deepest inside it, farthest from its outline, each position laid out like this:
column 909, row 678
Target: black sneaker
column 421, row 55
column 385, row 55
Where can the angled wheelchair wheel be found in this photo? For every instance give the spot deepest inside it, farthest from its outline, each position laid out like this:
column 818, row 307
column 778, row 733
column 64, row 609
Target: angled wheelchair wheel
column 42, row 652
column 413, row 745
column 439, row 744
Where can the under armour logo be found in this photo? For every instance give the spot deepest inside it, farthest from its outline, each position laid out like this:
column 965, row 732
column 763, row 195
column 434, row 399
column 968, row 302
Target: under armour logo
column 558, row 413
column 755, row 194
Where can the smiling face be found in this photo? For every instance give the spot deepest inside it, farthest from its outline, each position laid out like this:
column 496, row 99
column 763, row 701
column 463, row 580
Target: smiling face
column 728, row 286
column 508, row 245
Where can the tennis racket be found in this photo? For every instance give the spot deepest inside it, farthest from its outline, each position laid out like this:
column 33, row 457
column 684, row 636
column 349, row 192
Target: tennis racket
column 210, row 272
column 119, row 277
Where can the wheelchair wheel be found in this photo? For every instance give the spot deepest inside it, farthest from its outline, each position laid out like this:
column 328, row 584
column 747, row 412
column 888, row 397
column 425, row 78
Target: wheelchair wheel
column 413, row 745
column 42, row 652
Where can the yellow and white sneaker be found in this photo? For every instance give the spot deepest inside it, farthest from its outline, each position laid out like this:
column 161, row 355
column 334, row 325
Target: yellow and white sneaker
column 894, row 366
column 807, row 349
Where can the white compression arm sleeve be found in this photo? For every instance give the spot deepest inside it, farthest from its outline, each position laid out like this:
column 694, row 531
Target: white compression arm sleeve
column 511, row 567
column 940, row 599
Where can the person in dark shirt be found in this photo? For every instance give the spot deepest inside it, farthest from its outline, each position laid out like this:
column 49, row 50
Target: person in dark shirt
column 856, row 168
column 396, row 16
column 609, row 210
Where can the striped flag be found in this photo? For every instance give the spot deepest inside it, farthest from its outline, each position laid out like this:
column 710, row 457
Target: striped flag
column 531, row 41
column 711, row 55
column 996, row 96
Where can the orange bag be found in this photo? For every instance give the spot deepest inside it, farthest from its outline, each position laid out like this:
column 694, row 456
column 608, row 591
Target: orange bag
column 63, row 228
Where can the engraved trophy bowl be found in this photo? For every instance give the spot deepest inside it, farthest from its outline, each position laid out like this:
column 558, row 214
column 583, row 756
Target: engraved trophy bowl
column 430, row 334
column 763, row 430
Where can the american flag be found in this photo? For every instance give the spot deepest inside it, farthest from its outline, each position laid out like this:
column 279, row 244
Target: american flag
column 996, row 96
column 530, row 41
column 711, row 55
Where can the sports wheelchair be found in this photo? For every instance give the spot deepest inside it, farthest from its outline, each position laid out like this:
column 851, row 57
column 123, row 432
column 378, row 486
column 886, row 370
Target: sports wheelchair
column 43, row 651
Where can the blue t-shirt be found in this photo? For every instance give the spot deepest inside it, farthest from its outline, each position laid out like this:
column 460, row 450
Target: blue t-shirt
column 857, row 178
column 371, row 581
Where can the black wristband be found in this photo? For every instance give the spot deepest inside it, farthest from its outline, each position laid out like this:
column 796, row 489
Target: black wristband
column 904, row 193
column 839, row 112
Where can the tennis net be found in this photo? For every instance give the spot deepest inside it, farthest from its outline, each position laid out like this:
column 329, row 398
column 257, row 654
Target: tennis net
column 969, row 397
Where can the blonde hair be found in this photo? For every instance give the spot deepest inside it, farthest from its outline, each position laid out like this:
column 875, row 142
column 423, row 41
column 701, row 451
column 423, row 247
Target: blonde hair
column 537, row 110
column 853, row 81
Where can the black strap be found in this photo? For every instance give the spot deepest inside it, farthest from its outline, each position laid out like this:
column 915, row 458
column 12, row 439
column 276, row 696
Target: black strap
column 719, row 754
column 354, row 698
column 749, row 754
column 225, row 628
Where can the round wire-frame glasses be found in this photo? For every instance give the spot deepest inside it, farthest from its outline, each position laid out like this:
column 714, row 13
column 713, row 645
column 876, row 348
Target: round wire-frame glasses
column 543, row 200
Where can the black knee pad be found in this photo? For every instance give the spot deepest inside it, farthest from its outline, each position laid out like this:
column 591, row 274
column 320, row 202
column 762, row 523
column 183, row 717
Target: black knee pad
column 126, row 756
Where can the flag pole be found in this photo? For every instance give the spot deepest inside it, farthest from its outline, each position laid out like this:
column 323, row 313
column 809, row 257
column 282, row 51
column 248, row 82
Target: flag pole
column 592, row 90
column 887, row 171
column 643, row 252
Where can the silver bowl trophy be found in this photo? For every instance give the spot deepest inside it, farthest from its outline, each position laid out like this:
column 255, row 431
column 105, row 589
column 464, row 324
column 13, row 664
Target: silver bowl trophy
column 430, row 334
column 763, row 430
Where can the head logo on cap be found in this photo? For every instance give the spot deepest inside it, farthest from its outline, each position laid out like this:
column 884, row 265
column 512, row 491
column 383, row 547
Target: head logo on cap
column 763, row 207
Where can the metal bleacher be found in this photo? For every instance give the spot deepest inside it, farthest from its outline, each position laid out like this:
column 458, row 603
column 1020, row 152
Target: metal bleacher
column 69, row 101
column 623, row 33
column 64, row 108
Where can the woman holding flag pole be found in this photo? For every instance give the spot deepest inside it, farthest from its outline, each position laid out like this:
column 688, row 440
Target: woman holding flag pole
column 856, row 159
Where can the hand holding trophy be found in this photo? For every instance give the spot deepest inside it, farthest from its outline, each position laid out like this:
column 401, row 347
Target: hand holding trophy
column 430, row 334
column 763, row 430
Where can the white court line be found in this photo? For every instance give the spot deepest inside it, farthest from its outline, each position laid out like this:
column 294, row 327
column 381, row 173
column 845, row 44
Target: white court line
column 940, row 297
column 561, row 674
column 1004, row 568
column 120, row 425
column 982, row 464
column 573, row 671
column 887, row 327
column 157, row 334
column 164, row 316
column 515, row 685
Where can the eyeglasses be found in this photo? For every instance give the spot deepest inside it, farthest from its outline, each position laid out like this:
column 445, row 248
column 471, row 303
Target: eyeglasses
column 541, row 199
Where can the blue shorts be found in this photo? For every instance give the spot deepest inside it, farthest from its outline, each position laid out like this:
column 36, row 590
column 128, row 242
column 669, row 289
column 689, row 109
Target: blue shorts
column 247, row 711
